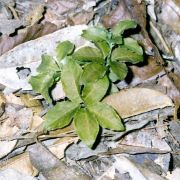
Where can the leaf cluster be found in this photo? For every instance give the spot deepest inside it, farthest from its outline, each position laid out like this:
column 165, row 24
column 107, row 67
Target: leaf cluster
column 86, row 75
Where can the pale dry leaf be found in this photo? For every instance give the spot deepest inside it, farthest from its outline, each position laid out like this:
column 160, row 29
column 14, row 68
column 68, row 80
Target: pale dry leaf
column 28, row 55
column 6, row 147
column 135, row 101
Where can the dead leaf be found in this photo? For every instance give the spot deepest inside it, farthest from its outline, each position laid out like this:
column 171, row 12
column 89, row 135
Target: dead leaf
column 30, row 33
column 147, row 70
column 120, row 13
column 6, row 147
column 8, row 27
column 64, row 13
column 135, row 101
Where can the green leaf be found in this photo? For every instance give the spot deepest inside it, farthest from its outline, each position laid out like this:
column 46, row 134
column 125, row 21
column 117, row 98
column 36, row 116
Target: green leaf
column 117, row 39
column 86, row 126
column 92, row 72
column 88, row 54
column 106, row 116
column 95, row 34
column 60, row 115
column 104, row 47
column 95, row 91
column 133, row 45
column 120, row 27
column 119, row 69
column 70, row 78
column 42, row 83
column 47, row 64
column 63, row 49
column 123, row 54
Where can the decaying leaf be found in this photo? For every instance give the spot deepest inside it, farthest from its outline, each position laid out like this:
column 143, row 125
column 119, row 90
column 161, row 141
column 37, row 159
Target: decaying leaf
column 30, row 33
column 135, row 101
column 6, row 147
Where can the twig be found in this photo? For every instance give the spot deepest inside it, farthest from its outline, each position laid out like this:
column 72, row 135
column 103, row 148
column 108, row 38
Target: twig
column 160, row 37
column 153, row 127
column 13, row 12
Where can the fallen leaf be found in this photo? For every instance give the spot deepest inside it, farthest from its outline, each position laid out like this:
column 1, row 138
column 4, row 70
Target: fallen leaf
column 6, row 147
column 146, row 71
column 30, row 33
column 8, row 27
column 64, row 13
column 120, row 13
column 135, row 101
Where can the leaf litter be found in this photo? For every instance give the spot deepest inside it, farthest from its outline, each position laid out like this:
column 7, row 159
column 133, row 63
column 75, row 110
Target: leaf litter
column 148, row 100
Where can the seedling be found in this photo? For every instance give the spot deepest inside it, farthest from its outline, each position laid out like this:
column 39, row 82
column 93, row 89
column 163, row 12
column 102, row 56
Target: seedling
column 87, row 74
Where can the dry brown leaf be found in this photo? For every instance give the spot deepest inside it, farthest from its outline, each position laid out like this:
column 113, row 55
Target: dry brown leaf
column 32, row 32
column 148, row 70
column 135, row 101
column 120, row 13
column 64, row 13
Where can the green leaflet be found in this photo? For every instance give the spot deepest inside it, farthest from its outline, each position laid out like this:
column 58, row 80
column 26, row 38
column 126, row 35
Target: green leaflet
column 95, row 34
column 117, row 39
column 133, row 45
column 106, row 116
column 104, row 47
column 95, row 91
column 63, row 49
column 120, row 27
column 42, row 83
column 88, row 54
column 70, row 78
column 86, row 126
column 92, row 72
column 123, row 54
column 47, row 64
column 60, row 115
column 119, row 69
column 49, row 73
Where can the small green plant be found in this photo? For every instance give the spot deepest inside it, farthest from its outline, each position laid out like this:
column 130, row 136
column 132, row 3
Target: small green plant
column 87, row 75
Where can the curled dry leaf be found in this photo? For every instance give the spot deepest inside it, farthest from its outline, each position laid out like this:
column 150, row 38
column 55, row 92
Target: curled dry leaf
column 28, row 55
column 135, row 101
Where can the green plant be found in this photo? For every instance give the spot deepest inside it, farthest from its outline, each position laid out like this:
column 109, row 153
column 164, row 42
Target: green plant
column 86, row 75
